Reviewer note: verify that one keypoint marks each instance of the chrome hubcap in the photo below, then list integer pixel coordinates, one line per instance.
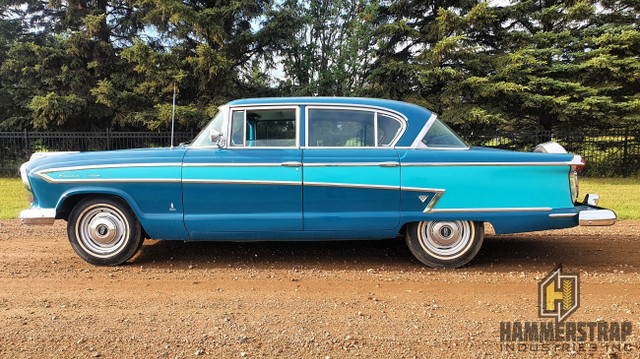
(446, 239)
(102, 230)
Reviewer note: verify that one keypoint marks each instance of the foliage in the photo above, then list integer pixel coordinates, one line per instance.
(540, 65)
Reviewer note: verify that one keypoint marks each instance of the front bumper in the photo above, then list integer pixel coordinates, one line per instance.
(33, 216)
(589, 214)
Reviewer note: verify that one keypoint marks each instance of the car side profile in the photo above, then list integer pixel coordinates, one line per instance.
(309, 168)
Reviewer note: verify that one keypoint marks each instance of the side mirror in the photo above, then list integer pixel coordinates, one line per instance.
(216, 137)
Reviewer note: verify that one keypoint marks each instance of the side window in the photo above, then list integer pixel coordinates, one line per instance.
(341, 128)
(263, 128)
(388, 129)
(237, 129)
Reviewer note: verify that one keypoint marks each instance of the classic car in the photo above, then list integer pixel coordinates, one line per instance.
(309, 169)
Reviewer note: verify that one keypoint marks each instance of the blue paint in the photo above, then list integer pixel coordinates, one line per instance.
(272, 202)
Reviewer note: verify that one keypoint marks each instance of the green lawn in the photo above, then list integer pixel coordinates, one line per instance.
(13, 197)
(620, 194)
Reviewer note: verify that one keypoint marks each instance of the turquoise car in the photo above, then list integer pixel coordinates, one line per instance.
(309, 169)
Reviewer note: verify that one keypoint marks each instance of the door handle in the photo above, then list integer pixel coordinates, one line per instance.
(389, 164)
(291, 164)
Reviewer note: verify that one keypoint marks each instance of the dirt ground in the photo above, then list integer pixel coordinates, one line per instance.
(310, 300)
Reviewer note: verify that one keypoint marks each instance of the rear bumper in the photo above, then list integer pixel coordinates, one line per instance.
(34, 216)
(589, 214)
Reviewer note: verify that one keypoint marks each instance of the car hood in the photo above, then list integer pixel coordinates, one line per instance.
(42, 161)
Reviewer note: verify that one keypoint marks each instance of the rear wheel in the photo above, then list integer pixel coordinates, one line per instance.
(104, 231)
(445, 244)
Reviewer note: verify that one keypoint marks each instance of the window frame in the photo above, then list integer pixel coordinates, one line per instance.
(375, 111)
(229, 125)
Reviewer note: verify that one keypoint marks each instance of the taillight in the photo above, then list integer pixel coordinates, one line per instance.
(579, 167)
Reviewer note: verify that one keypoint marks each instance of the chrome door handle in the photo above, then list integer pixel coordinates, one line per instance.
(291, 164)
(389, 164)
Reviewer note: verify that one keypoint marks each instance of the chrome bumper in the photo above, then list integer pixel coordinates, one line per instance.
(33, 216)
(589, 214)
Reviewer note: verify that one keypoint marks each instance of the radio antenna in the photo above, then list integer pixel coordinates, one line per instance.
(173, 114)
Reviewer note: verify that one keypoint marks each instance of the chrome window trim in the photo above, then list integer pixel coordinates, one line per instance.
(402, 119)
(475, 210)
(427, 126)
(269, 107)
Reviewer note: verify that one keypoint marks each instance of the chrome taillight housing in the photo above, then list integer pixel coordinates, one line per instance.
(576, 164)
(25, 182)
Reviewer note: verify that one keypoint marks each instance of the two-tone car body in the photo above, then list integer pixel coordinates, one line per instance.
(309, 169)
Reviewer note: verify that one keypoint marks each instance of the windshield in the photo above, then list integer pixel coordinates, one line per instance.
(203, 138)
(440, 135)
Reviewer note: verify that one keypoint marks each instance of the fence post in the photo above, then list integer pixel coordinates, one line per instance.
(625, 167)
(108, 140)
(27, 148)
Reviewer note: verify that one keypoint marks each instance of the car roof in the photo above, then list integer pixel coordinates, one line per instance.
(417, 116)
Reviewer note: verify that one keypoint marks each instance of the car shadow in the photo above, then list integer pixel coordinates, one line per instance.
(498, 253)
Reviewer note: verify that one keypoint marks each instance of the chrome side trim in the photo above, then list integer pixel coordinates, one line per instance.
(110, 180)
(562, 215)
(350, 185)
(345, 164)
(35, 216)
(433, 202)
(207, 181)
(420, 189)
(112, 165)
(477, 164)
(234, 164)
(474, 210)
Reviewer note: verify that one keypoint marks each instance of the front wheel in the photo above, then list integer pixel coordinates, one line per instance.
(104, 231)
(444, 244)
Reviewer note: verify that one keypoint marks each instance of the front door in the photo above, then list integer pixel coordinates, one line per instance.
(253, 183)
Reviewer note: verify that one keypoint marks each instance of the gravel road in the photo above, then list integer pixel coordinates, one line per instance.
(309, 300)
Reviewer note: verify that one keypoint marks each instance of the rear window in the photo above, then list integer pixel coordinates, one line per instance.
(440, 135)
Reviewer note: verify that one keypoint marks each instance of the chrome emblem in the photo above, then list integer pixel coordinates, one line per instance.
(172, 209)
(423, 198)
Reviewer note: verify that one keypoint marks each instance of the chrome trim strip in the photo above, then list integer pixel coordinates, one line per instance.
(234, 164)
(112, 165)
(350, 185)
(476, 164)
(207, 181)
(523, 209)
(110, 180)
(433, 202)
(419, 189)
(344, 164)
(35, 216)
(562, 215)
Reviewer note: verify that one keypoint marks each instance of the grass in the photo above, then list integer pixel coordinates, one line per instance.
(619, 194)
(13, 196)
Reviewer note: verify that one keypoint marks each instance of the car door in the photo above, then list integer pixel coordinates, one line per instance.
(351, 171)
(253, 182)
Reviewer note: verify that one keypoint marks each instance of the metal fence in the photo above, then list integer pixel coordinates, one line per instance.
(607, 153)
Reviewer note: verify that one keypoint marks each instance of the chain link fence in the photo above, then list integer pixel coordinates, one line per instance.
(607, 153)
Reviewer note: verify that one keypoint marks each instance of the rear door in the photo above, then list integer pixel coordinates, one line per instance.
(351, 171)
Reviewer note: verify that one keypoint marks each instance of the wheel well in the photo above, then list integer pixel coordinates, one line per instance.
(67, 206)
